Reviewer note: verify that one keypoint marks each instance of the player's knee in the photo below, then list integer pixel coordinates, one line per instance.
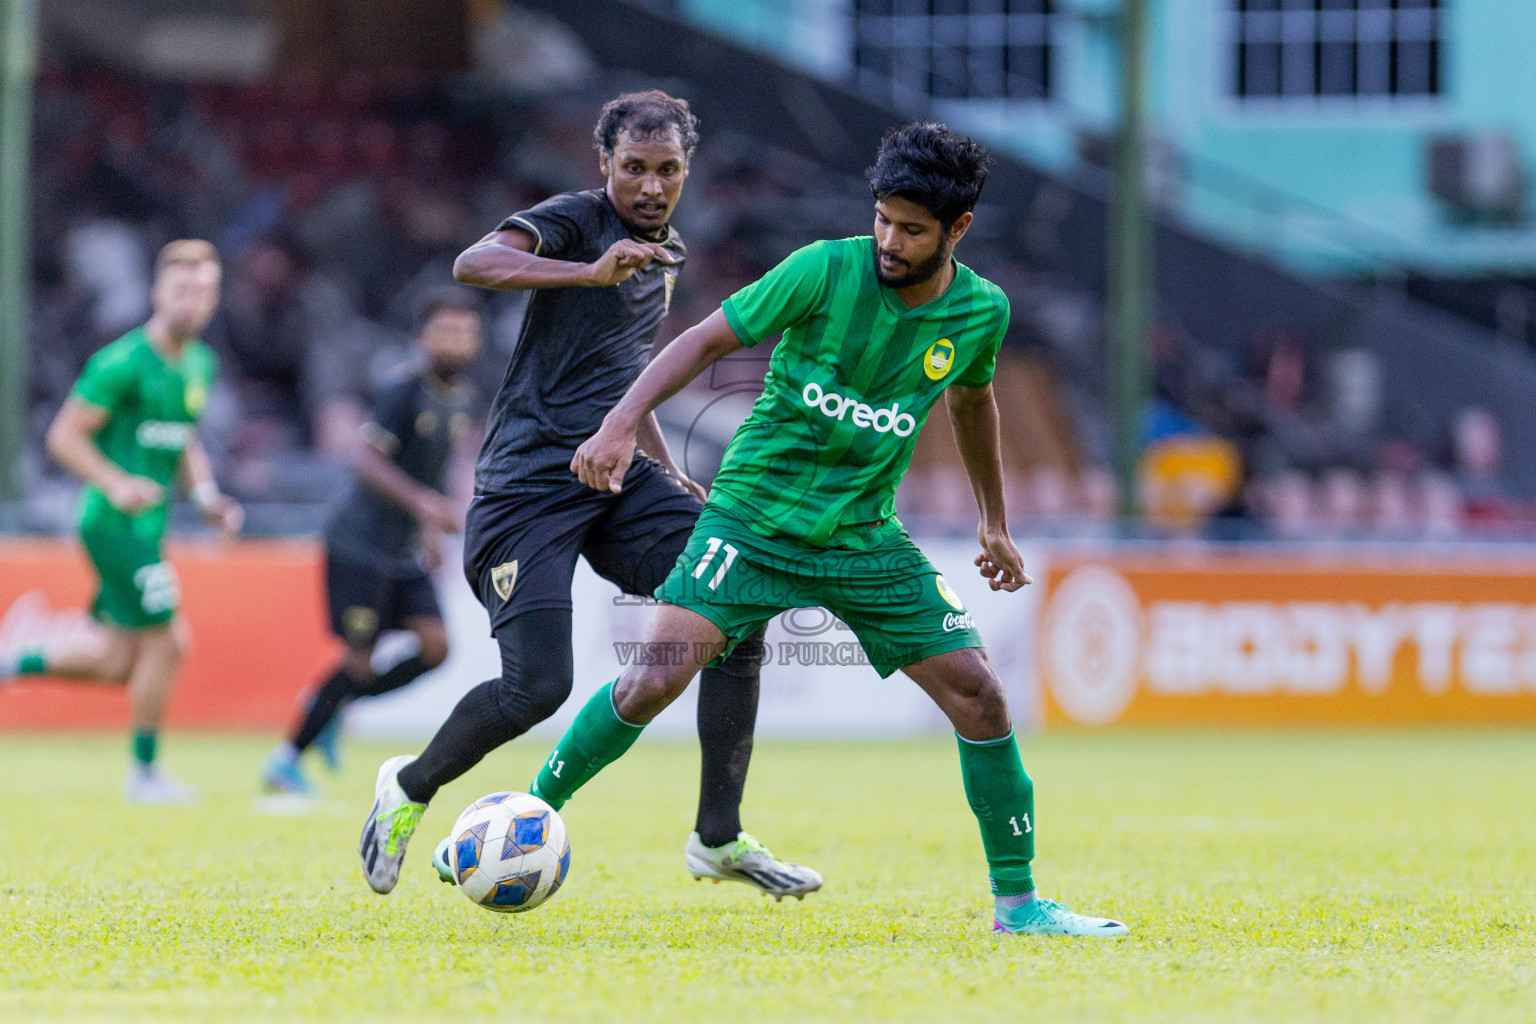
(434, 645)
(978, 706)
(529, 694)
(178, 640)
(644, 692)
(434, 654)
(357, 663)
(545, 697)
(989, 709)
(536, 667)
(116, 664)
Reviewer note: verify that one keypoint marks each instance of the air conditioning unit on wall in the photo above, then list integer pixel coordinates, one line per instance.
(1480, 179)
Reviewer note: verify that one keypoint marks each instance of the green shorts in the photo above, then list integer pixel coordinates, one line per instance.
(139, 589)
(892, 597)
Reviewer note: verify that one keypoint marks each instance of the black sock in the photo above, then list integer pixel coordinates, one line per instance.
(727, 716)
(535, 681)
(474, 729)
(333, 693)
(398, 676)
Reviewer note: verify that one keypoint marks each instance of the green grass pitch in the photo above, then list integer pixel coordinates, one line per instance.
(1351, 876)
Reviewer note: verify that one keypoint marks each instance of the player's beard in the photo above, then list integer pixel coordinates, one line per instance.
(186, 326)
(915, 274)
(445, 370)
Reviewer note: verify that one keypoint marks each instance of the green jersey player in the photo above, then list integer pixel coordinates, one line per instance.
(129, 430)
(802, 512)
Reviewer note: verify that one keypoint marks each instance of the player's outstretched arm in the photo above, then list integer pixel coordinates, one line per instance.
(604, 458)
(379, 473)
(216, 507)
(72, 443)
(973, 415)
(504, 260)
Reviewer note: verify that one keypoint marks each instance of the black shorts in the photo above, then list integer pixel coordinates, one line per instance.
(520, 548)
(367, 598)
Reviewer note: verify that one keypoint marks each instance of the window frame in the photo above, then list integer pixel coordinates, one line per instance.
(1039, 35)
(1229, 39)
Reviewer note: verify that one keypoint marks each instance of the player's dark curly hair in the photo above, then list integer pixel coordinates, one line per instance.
(645, 115)
(940, 170)
(444, 300)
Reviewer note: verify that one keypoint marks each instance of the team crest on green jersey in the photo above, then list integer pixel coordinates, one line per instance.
(938, 359)
(196, 397)
(947, 592)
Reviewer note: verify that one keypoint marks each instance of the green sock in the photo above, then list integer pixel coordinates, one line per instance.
(144, 743)
(597, 738)
(1002, 797)
(31, 663)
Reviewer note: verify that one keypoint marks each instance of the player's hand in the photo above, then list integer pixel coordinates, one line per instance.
(225, 513)
(999, 561)
(130, 494)
(430, 551)
(692, 486)
(622, 259)
(435, 512)
(604, 458)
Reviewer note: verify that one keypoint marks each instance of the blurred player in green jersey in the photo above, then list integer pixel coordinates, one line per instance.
(876, 330)
(129, 430)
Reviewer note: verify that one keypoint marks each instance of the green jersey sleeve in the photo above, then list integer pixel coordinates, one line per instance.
(979, 373)
(786, 295)
(107, 378)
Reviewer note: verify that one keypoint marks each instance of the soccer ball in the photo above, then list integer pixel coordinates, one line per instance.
(509, 852)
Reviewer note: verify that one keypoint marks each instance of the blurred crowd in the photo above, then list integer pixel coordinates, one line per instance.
(335, 204)
(331, 206)
(1294, 439)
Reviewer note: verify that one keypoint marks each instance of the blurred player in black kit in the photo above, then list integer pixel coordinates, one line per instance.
(385, 534)
(601, 264)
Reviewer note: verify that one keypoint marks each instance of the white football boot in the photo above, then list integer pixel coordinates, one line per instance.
(148, 785)
(440, 861)
(1047, 917)
(389, 827)
(749, 861)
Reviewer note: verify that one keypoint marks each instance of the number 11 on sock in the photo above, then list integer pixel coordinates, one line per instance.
(1028, 828)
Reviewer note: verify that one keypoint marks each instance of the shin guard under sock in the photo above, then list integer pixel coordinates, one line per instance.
(1002, 797)
(596, 739)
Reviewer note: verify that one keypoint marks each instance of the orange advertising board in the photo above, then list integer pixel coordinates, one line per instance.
(256, 611)
(1257, 637)
(1135, 637)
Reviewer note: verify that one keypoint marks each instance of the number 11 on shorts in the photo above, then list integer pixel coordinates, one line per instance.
(714, 546)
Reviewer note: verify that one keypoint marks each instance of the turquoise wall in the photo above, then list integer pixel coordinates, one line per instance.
(1327, 184)
(1362, 162)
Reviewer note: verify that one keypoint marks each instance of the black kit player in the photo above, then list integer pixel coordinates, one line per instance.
(385, 534)
(601, 265)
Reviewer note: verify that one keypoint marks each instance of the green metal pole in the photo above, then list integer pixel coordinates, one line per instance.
(18, 60)
(1129, 260)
